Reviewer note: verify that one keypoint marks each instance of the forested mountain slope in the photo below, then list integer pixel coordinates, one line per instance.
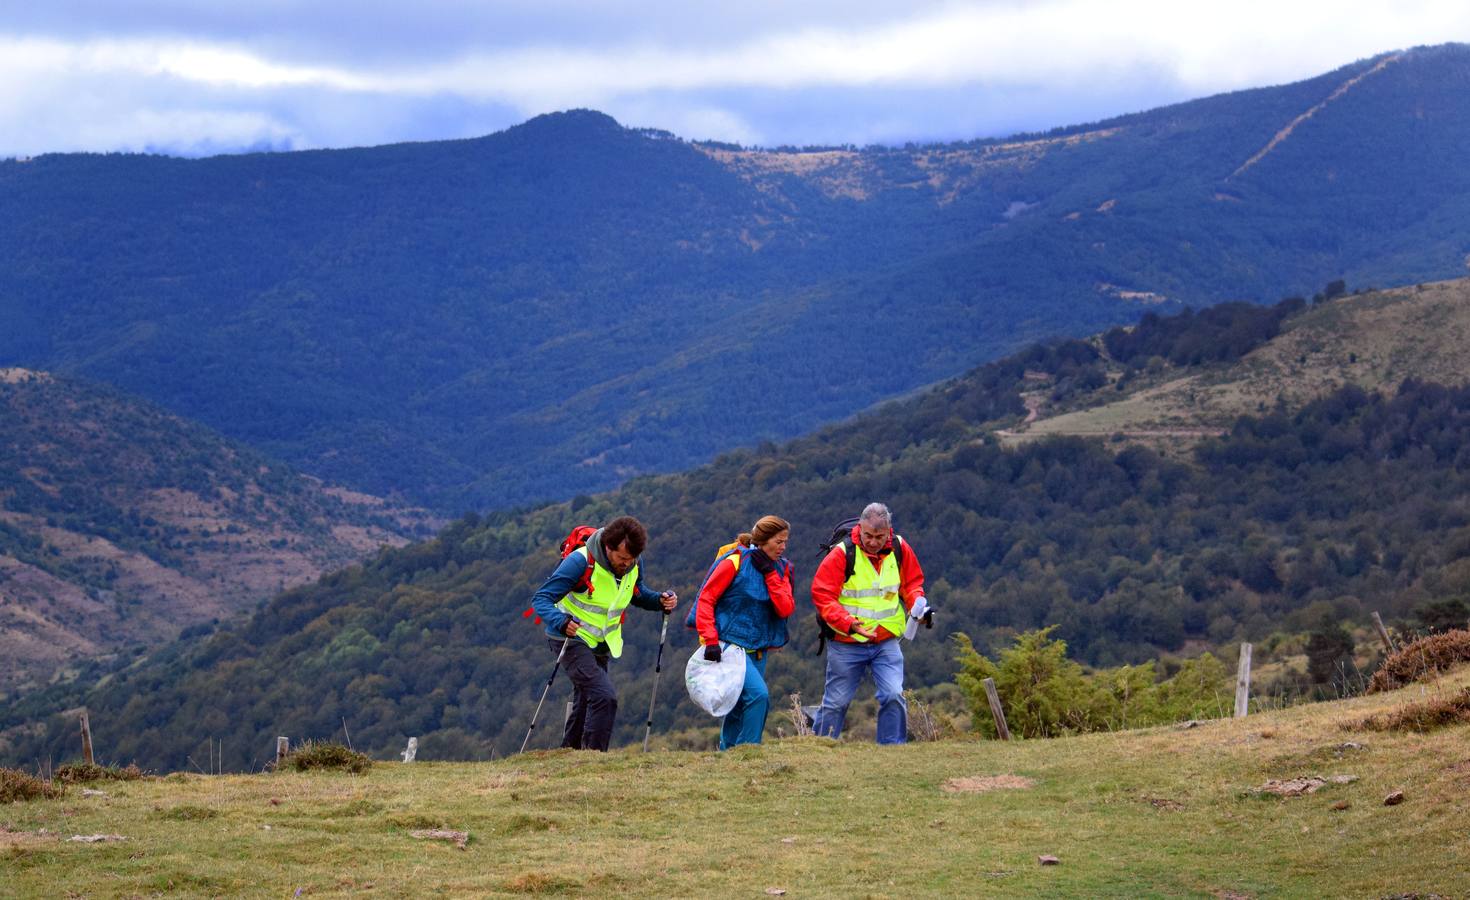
(1351, 503)
(121, 524)
(560, 306)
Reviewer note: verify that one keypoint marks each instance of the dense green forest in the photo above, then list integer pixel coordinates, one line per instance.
(555, 308)
(1295, 518)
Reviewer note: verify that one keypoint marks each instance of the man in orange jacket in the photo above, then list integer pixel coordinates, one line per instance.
(868, 588)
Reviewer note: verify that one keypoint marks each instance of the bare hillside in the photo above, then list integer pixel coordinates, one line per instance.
(120, 525)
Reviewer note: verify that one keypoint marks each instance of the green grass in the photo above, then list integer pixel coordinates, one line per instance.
(1161, 812)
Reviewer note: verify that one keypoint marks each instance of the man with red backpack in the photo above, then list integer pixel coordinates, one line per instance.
(868, 590)
(582, 604)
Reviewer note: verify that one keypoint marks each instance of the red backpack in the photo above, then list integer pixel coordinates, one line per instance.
(576, 538)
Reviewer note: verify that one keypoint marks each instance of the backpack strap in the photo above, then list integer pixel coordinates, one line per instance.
(850, 552)
(585, 585)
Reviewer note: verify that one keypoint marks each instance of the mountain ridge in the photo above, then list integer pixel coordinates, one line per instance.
(384, 317)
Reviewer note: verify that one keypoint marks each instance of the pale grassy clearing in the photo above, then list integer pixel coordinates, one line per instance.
(1374, 340)
(1162, 812)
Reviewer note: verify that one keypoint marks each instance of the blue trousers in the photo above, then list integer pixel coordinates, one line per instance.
(846, 664)
(747, 721)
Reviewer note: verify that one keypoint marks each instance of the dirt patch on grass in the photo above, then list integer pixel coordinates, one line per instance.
(980, 784)
(10, 838)
(1304, 784)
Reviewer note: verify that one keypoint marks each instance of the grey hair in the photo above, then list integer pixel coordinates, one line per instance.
(875, 513)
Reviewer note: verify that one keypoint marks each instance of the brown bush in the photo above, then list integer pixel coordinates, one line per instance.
(1422, 658)
(1421, 717)
(80, 773)
(16, 786)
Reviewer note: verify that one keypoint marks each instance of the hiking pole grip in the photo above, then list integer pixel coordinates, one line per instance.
(658, 666)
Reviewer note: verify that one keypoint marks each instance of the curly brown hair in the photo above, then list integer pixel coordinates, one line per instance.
(626, 532)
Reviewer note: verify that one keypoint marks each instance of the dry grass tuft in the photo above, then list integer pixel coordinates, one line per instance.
(540, 883)
(188, 813)
(924, 723)
(1425, 657)
(16, 786)
(1420, 717)
(800, 720)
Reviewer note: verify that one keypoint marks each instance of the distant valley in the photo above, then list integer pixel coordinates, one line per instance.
(121, 525)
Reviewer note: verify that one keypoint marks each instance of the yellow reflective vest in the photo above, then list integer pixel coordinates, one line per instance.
(599, 612)
(872, 595)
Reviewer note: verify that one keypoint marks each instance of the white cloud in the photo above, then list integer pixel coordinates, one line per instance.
(1058, 44)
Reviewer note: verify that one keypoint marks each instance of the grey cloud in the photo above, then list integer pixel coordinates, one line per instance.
(393, 33)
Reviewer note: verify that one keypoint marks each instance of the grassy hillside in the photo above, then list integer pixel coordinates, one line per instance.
(558, 307)
(1375, 340)
(1162, 812)
(121, 524)
(1351, 504)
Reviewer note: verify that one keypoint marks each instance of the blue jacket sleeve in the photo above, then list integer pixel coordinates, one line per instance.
(561, 583)
(646, 599)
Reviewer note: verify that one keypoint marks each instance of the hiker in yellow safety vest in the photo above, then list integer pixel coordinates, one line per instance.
(868, 588)
(582, 604)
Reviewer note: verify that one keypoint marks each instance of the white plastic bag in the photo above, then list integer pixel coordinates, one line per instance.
(716, 686)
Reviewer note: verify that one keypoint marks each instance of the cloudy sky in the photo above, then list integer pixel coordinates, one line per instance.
(205, 76)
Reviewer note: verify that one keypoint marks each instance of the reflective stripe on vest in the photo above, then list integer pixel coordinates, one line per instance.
(599, 612)
(871, 596)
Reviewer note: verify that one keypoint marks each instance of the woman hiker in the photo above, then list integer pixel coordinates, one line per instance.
(744, 601)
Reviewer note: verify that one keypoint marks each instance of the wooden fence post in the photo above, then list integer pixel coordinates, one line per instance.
(1243, 682)
(997, 710)
(283, 747)
(87, 740)
(1383, 632)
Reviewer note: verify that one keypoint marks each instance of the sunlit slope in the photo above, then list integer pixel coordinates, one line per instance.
(1375, 340)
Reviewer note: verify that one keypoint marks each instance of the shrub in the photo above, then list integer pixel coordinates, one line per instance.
(16, 786)
(80, 773)
(1045, 694)
(325, 755)
(1420, 717)
(1422, 658)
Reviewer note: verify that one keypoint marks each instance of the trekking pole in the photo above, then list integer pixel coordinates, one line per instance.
(658, 666)
(544, 693)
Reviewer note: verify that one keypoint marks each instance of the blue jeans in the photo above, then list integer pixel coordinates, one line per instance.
(747, 721)
(845, 666)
